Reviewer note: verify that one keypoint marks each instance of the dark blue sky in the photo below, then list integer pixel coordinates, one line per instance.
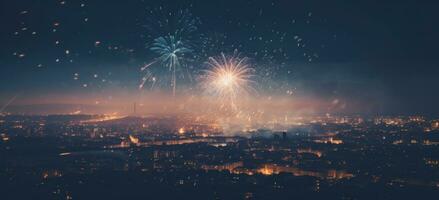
(380, 54)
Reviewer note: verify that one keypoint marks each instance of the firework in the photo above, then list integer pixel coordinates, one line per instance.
(228, 79)
(171, 51)
(171, 35)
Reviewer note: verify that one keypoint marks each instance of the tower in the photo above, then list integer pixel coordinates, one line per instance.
(284, 135)
(134, 108)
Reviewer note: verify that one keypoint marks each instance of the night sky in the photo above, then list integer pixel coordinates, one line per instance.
(374, 56)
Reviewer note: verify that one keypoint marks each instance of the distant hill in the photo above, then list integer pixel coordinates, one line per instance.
(47, 109)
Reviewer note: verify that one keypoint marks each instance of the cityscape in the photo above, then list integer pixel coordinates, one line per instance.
(81, 156)
(221, 100)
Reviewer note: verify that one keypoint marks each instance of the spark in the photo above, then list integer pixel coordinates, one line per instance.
(229, 78)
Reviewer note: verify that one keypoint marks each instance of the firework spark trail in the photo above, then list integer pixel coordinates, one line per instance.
(8, 103)
(147, 65)
(228, 79)
(148, 76)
